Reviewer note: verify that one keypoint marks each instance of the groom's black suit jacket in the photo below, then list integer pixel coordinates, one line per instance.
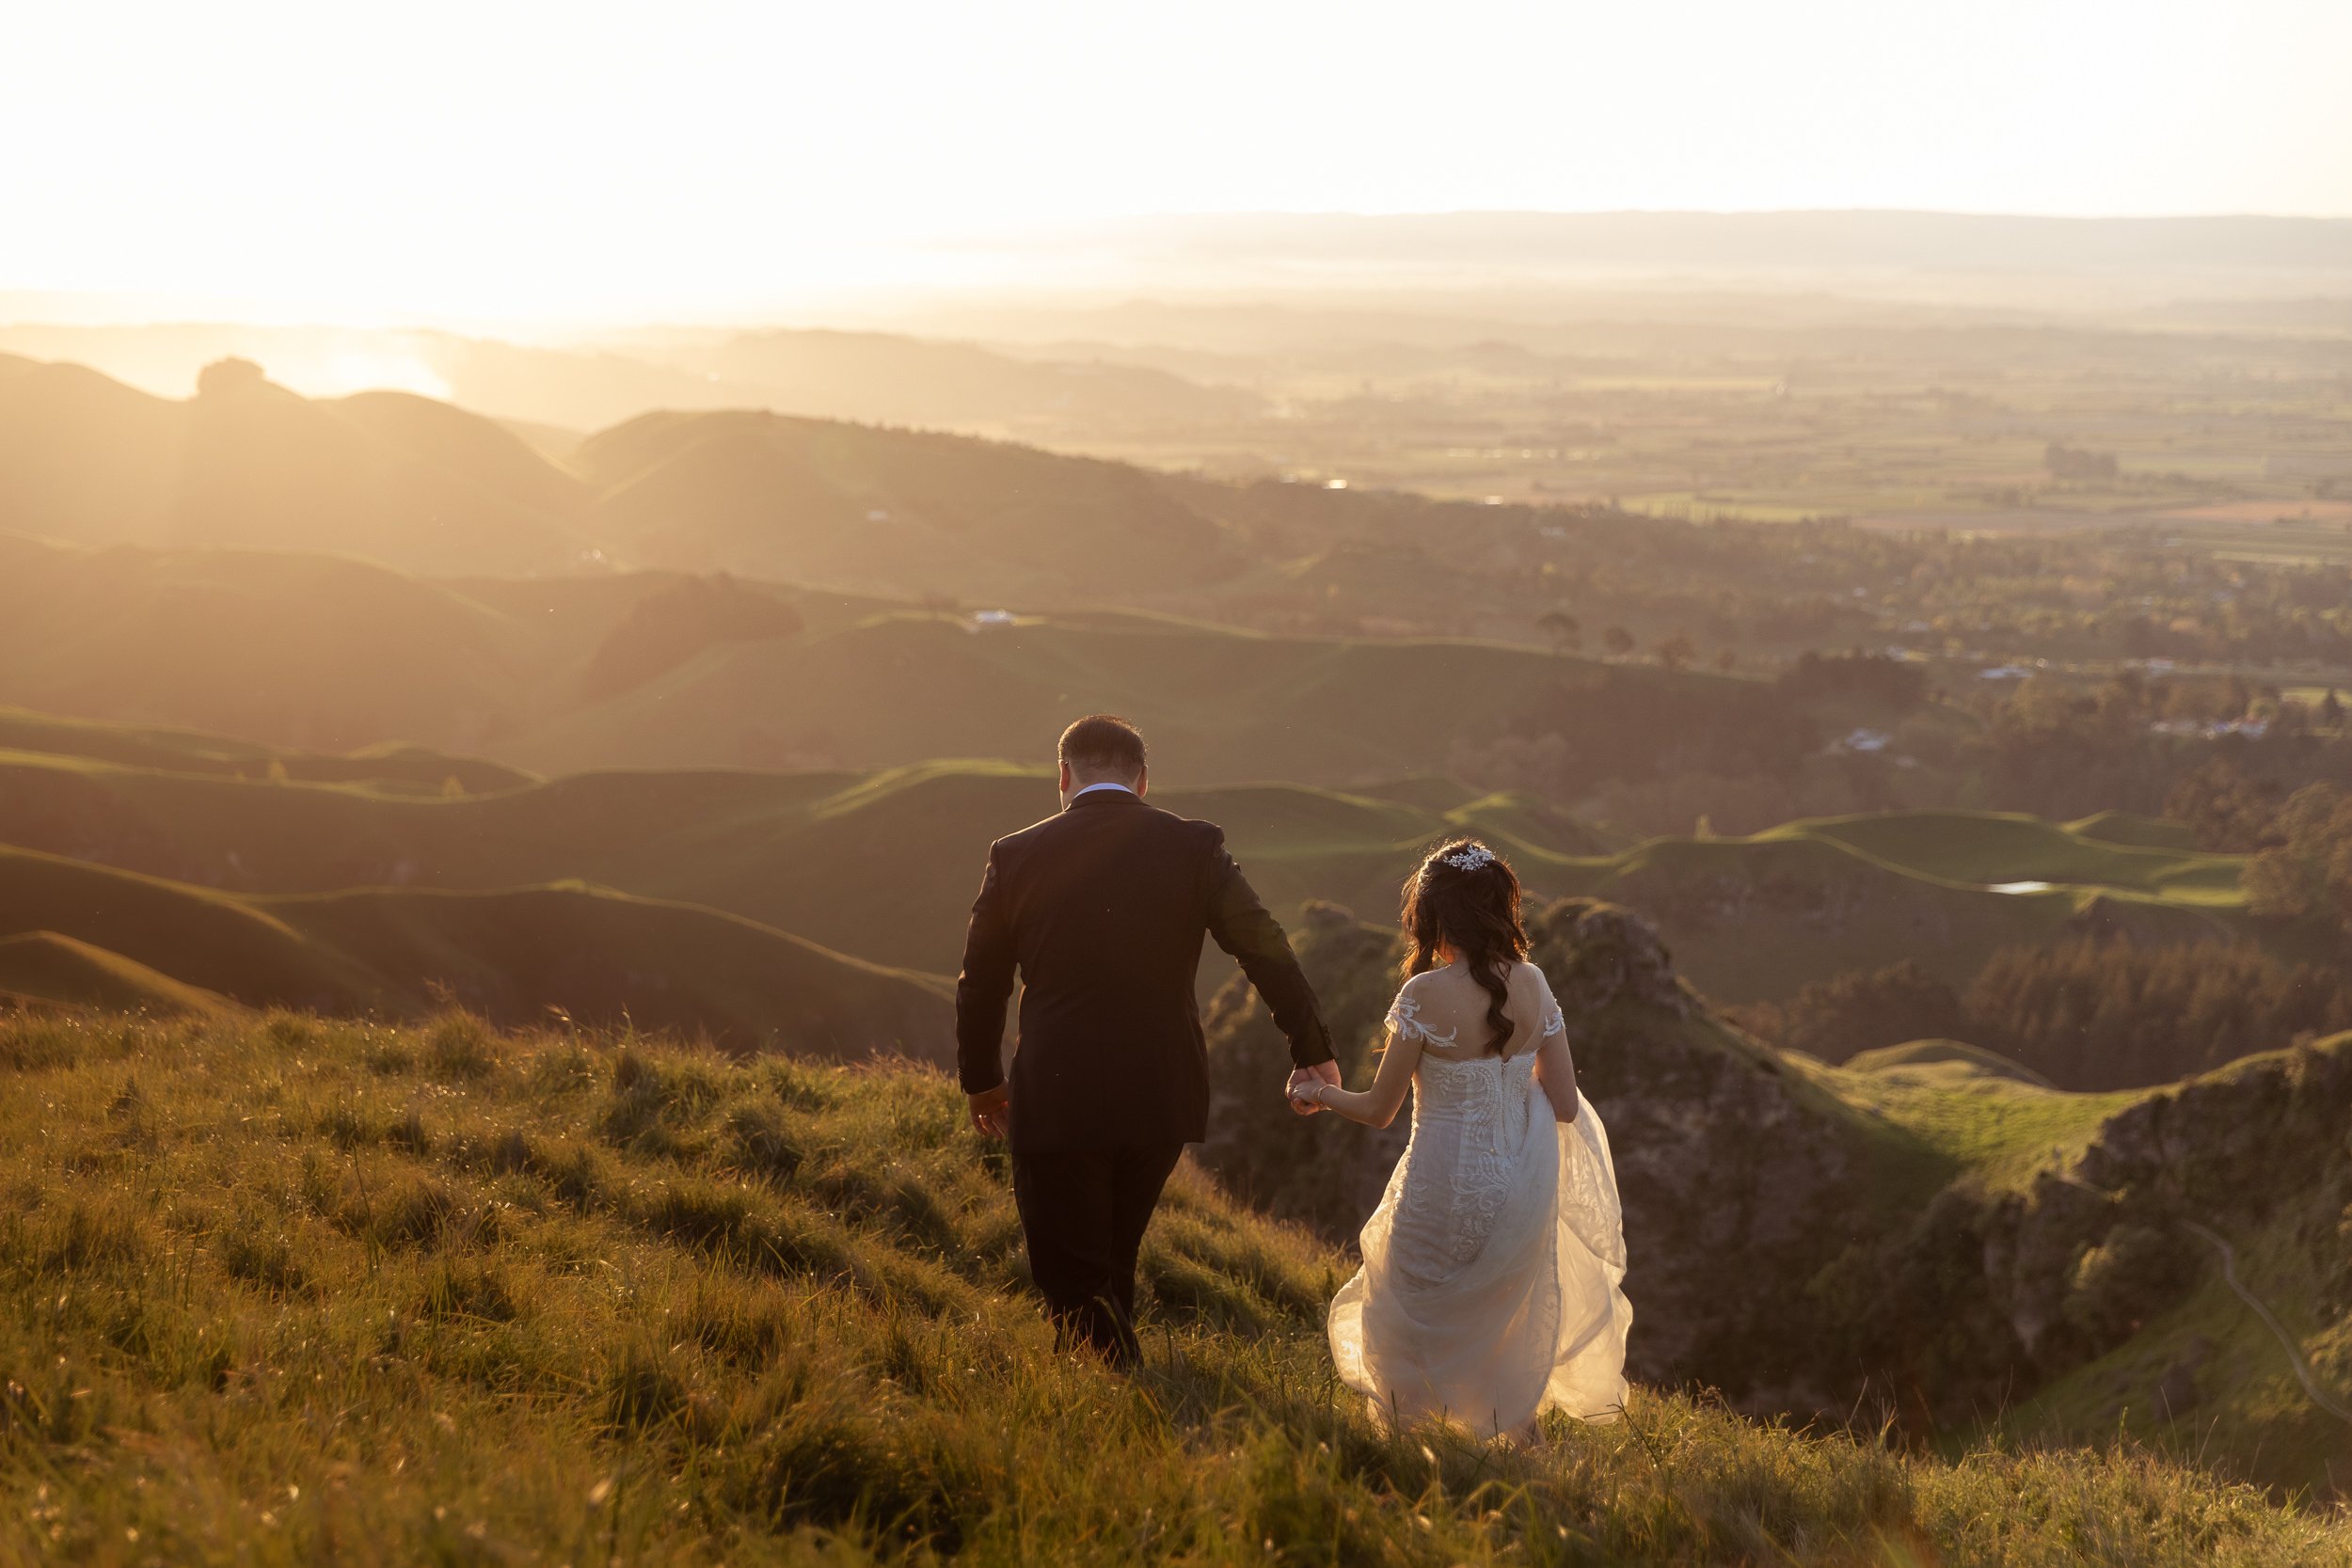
(1102, 910)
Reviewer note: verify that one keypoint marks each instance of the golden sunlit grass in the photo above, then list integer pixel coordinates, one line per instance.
(281, 1289)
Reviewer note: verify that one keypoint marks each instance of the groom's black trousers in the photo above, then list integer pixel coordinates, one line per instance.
(1083, 1212)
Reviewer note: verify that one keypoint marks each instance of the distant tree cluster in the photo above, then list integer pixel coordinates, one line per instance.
(1634, 726)
(2206, 752)
(2065, 462)
(1878, 677)
(2088, 1014)
(2306, 871)
(2093, 1014)
(1861, 1010)
(2224, 806)
(1569, 574)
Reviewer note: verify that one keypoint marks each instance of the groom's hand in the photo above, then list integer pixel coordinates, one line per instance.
(1322, 1072)
(992, 1110)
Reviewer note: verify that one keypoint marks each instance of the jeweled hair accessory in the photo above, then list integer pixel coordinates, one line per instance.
(1469, 858)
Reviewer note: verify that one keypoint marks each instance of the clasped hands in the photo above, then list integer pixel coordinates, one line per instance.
(1306, 1080)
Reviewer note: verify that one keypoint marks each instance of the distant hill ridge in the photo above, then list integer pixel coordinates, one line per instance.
(85, 935)
(426, 487)
(881, 864)
(328, 653)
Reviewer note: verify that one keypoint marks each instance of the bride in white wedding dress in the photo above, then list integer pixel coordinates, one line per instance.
(1490, 1289)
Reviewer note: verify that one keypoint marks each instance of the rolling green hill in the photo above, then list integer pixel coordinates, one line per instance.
(1983, 1113)
(297, 1290)
(385, 766)
(1748, 916)
(2007, 850)
(883, 864)
(42, 968)
(85, 933)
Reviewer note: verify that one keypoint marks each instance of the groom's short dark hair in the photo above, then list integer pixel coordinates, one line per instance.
(1103, 743)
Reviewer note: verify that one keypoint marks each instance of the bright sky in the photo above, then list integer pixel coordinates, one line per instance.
(486, 159)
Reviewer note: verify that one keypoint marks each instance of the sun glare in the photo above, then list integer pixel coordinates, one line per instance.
(518, 162)
(345, 374)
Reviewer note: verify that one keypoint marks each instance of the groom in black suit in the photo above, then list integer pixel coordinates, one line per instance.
(1102, 910)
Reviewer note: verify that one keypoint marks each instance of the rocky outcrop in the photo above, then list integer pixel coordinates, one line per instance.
(2023, 1287)
(1740, 1180)
(1319, 1170)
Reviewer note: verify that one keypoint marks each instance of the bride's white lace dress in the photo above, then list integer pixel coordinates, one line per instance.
(1490, 1289)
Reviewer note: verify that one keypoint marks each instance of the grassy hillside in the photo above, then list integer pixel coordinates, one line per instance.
(88, 932)
(1981, 1113)
(289, 1290)
(2208, 1376)
(388, 767)
(332, 653)
(38, 968)
(289, 650)
(2081, 1249)
(1219, 705)
(83, 456)
(428, 487)
(891, 510)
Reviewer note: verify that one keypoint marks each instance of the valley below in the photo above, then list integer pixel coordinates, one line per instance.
(480, 904)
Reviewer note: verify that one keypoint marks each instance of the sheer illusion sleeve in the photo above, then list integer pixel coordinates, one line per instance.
(1406, 1022)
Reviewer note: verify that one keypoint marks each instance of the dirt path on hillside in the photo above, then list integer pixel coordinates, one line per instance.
(2320, 1396)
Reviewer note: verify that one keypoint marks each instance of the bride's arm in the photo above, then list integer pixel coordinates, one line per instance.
(1377, 1105)
(1555, 1069)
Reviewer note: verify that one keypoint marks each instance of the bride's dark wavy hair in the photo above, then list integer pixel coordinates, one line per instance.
(1475, 910)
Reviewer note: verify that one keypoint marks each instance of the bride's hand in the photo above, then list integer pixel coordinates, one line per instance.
(1307, 1082)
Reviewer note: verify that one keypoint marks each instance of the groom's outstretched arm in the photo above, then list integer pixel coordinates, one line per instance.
(1243, 928)
(983, 987)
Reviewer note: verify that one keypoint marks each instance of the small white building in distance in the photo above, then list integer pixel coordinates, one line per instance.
(992, 618)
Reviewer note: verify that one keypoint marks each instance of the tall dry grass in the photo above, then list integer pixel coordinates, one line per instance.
(279, 1291)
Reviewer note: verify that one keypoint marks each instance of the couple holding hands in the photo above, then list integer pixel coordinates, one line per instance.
(1490, 1288)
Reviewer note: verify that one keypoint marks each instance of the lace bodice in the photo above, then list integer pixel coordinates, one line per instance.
(1470, 1118)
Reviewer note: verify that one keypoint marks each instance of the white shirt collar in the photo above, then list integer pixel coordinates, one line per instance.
(1105, 785)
